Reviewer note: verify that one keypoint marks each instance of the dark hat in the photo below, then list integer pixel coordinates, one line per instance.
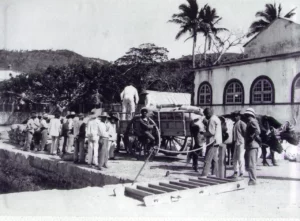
(80, 115)
(144, 92)
(236, 113)
(144, 109)
(114, 115)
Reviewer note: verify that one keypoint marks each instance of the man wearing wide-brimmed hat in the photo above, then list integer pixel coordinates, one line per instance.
(95, 129)
(103, 142)
(239, 130)
(112, 132)
(252, 143)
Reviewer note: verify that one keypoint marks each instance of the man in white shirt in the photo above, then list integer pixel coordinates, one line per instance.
(104, 141)
(55, 127)
(32, 125)
(213, 136)
(129, 98)
(92, 133)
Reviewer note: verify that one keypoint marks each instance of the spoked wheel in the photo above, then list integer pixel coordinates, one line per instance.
(135, 145)
(173, 143)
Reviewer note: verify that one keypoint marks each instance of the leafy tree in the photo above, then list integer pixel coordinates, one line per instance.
(267, 16)
(188, 19)
(145, 53)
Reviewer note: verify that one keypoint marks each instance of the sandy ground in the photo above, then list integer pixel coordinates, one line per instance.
(269, 199)
(277, 195)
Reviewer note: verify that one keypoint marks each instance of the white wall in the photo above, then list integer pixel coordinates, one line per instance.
(281, 37)
(281, 72)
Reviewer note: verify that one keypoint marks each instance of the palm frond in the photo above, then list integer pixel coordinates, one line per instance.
(181, 32)
(264, 16)
(271, 10)
(279, 10)
(290, 13)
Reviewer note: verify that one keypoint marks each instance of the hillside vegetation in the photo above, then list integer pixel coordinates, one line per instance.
(30, 61)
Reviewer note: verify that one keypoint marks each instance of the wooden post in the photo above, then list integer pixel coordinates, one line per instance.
(222, 161)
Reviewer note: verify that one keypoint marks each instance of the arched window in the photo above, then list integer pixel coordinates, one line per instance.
(205, 94)
(262, 91)
(234, 92)
(296, 89)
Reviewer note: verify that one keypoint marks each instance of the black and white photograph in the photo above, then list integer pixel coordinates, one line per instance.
(150, 109)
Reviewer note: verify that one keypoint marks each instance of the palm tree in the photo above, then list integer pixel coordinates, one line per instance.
(188, 20)
(207, 26)
(270, 13)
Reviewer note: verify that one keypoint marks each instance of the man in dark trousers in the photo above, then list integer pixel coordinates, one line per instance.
(146, 128)
(213, 136)
(197, 129)
(252, 143)
(79, 138)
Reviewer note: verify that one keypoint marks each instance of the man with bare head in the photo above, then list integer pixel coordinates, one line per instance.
(213, 136)
(129, 98)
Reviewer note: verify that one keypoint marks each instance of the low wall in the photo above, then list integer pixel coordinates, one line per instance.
(51, 170)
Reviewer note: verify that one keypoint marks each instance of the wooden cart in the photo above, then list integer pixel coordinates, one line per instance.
(173, 132)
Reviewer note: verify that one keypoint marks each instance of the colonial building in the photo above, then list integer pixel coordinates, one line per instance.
(268, 80)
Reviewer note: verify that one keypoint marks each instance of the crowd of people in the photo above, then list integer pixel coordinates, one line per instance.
(246, 139)
(68, 136)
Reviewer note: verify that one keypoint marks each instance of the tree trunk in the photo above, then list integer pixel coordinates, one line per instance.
(194, 46)
(205, 43)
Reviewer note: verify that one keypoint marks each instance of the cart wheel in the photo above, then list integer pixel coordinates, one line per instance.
(169, 141)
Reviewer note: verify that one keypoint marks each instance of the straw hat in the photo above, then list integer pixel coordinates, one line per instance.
(250, 112)
(71, 114)
(104, 114)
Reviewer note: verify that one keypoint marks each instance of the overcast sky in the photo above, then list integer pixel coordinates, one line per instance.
(108, 28)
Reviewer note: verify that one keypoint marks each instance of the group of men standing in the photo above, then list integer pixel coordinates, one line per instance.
(102, 137)
(69, 134)
(246, 143)
(36, 130)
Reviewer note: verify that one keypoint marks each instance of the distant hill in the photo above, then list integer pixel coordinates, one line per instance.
(28, 61)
